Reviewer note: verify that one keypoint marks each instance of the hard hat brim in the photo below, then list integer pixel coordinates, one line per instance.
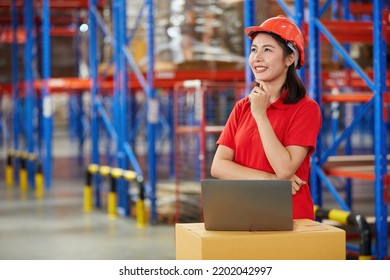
(252, 31)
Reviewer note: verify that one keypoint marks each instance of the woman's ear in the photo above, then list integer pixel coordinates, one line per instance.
(290, 59)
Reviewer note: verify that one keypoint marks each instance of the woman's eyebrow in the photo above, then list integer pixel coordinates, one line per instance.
(264, 46)
(268, 46)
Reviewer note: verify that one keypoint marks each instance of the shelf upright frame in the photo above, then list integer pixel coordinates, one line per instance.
(29, 85)
(380, 147)
(315, 93)
(249, 20)
(298, 16)
(93, 66)
(346, 15)
(378, 87)
(120, 94)
(47, 100)
(15, 89)
(153, 111)
(118, 127)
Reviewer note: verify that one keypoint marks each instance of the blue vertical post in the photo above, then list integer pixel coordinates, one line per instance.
(334, 11)
(15, 88)
(29, 87)
(380, 131)
(315, 91)
(120, 86)
(299, 19)
(249, 20)
(76, 114)
(72, 117)
(80, 126)
(298, 16)
(93, 63)
(47, 101)
(151, 120)
(348, 143)
(171, 122)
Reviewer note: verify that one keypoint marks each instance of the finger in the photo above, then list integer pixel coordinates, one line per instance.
(299, 181)
(293, 191)
(296, 186)
(261, 86)
(258, 87)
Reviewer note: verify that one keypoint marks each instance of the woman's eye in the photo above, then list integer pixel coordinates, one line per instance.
(267, 50)
(253, 49)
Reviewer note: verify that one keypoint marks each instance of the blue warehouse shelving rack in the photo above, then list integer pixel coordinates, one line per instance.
(115, 123)
(369, 90)
(31, 23)
(118, 88)
(125, 84)
(127, 77)
(324, 165)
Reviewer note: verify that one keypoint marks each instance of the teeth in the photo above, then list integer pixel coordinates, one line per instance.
(260, 68)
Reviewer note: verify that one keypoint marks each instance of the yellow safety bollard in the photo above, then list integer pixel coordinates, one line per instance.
(141, 213)
(88, 206)
(9, 176)
(104, 170)
(39, 187)
(23, 173)
(88, 195)
(130, 175)
(365, 258)
(116, 173)
(339, 216)
(140, 205)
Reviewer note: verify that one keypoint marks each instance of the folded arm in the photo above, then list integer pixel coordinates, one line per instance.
(224, 167)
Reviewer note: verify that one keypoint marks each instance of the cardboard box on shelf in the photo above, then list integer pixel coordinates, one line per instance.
(309, 240)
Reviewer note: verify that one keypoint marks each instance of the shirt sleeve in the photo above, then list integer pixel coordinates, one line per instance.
(305, 126)
(229, 131)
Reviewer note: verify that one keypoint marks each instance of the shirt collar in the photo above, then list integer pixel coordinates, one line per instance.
(278, 104)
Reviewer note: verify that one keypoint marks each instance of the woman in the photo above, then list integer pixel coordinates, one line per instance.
(272, 132)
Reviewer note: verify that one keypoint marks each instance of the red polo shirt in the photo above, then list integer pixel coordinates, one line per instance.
(294, 124)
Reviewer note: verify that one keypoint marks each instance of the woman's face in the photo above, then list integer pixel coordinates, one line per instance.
(267, 60)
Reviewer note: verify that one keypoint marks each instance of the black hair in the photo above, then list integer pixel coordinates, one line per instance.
(296, 89)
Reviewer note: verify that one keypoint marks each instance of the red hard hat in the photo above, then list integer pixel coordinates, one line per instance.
(284, 28)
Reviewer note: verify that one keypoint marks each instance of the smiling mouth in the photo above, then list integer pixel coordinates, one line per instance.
(260, 68)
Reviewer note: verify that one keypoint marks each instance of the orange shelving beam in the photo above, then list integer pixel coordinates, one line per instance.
(351, 31)
(54, 84)
(354, 166)
(348, 97)
(360, 9)
(55, 4)
(166, 79)
(353, 97)
(6, 35)
(348, 78)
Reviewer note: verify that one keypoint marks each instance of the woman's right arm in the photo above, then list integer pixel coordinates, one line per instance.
(223, 167)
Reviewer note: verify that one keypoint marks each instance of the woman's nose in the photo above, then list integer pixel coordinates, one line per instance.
(258, 56)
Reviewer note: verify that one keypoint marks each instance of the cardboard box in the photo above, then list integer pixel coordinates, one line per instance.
(309, 240)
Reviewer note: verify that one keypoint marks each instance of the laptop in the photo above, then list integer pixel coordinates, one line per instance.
(247, 205)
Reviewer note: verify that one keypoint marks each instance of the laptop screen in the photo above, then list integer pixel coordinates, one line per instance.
(247, 205)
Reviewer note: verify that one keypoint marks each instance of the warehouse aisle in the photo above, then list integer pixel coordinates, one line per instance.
(57, 228)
